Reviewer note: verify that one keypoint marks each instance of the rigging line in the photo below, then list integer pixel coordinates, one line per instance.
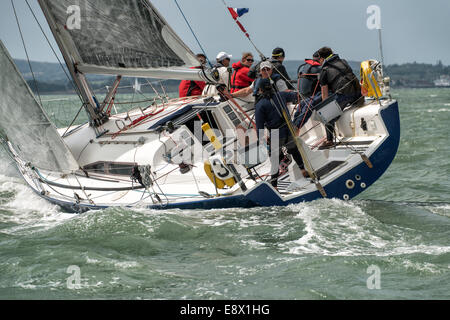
(263, 57)
(84, 190)
(156, 91)
(54, 52)
(308, 107)
(297, 91)
(26, 52)
(136, 102)
(246, 34)
(82, 151)
(159, 187)
(164, 91)
(195, 179)
(73, 121)
(193, 33)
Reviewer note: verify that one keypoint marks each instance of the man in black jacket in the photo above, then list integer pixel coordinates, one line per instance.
(278, 56)
(269, 114)
(337, 77)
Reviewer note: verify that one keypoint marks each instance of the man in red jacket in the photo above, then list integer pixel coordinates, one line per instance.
(240, 78)
(189, 88)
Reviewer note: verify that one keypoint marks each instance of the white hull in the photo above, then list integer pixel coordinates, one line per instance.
(171, 188)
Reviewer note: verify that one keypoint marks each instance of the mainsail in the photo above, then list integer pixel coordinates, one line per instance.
(126, 37)
(26, 125)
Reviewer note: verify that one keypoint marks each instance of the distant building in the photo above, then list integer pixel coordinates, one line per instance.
(443, 81)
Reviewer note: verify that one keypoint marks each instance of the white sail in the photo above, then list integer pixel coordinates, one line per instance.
(126, 37)
(25, 124)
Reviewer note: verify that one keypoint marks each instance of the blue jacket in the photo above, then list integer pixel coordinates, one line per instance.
(270, 116)
(275, 78)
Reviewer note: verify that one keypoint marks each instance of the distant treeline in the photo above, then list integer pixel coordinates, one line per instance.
(52, 79)
(416, 74)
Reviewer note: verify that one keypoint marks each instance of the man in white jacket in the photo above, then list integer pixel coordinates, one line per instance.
(223, 67)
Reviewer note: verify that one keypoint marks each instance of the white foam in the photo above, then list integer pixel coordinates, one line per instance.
(443, 210)
(337, 228)
(438, 110)
(28, 210)
(113, 263)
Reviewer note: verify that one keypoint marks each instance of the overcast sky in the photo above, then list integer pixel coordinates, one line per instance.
(413, 30)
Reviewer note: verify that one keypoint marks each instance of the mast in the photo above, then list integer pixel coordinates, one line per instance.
(96, 117)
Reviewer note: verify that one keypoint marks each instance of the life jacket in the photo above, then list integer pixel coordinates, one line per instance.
(308, 74)
(190, 88)
(240, 78)
(279, 68)
(224, 80)
(340, 77)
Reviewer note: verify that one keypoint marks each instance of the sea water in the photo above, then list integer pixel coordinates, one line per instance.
(392, 242)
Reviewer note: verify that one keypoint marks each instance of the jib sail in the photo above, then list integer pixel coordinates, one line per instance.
(26, 125)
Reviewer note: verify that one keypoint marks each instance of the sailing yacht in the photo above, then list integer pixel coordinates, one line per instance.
(195, 152)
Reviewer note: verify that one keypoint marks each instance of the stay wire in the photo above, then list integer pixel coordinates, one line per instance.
(26, 52)
(246, 34)
(54, 52)
(73, 121)
(193, 33)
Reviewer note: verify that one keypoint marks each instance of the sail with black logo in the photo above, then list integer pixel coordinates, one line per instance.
(119, 37)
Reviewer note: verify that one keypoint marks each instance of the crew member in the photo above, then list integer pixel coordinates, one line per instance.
(278, 56)
(240, 78)
(225, 71)
(269, 114)
(309, 89)
(337, 77)
(308, 75)
(190, 88)
(266, 72)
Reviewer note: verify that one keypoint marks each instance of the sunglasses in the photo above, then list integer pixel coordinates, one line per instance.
(250, 60)
(266, 69)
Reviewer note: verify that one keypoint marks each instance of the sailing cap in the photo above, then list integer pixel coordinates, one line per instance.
(265, 64)
(223, 55)
(278, 52)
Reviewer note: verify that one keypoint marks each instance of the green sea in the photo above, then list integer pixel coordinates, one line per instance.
(392, 242)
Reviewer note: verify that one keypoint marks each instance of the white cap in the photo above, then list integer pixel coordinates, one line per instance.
(265, 64)
(223, 55)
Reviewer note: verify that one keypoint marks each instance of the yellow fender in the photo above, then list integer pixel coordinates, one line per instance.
(217, 172)
(369, 83)
(220, 184)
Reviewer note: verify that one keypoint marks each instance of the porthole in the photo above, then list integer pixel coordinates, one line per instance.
(350, 184)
